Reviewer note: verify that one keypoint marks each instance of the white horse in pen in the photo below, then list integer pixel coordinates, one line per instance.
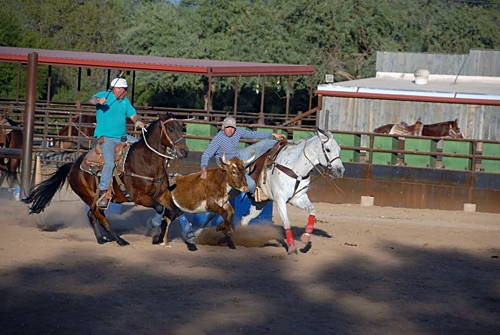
(286, 179)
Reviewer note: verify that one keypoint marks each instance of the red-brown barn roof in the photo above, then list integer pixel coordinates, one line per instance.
(216, 68)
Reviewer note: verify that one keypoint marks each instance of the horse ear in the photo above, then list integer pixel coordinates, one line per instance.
(456, 120)
(322, 132)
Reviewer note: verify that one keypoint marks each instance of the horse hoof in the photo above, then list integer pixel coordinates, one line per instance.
(122, 243)
(292, 249)
(305, 238)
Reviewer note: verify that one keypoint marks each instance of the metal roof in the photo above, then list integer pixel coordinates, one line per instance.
(401, 86)
(216, 68)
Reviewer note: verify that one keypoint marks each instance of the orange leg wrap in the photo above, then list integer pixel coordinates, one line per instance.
(289, 237)
(310, 224)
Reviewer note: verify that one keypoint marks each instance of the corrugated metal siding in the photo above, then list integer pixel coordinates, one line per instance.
(480, 122)
(476, 63)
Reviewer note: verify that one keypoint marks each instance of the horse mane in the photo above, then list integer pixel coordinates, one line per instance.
(12, 122)
(441, 123)
(300, 141)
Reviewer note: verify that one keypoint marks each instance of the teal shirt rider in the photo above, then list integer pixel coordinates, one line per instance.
(112, 116)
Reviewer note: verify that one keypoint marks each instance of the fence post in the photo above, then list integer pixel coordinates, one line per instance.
(29, 122)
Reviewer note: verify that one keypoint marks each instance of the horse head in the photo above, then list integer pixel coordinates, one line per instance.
(331, 154)
(455, 131)
(419, 126)
(168, 131)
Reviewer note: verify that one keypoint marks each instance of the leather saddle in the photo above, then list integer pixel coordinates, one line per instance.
(260, 165)
(404, 129)
(93, 161)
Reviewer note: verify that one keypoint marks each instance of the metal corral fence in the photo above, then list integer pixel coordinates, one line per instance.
(63, 130)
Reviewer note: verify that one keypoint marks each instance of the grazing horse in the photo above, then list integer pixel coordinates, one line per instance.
(9, 139)
(286, 179)
(144, 178)
(443, 129)
(191, 194)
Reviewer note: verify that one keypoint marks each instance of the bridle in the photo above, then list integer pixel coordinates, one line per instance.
(171, 152)
(292, 174)
(329, 165)
(453, 133)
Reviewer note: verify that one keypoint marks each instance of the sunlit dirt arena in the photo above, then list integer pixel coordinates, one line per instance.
(369, 270)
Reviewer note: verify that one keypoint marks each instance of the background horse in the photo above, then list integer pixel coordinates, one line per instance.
(443, 129)
(401, 129)
(11, 139)
(78, 134)
(145, 176)
(287, 179)
(81, 134)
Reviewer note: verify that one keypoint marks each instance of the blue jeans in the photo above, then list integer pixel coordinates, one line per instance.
(257, 149)
(108, 153)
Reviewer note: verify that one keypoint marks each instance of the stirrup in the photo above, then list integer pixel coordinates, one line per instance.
(103, 202)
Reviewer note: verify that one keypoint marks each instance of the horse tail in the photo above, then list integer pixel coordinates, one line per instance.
(41, 195)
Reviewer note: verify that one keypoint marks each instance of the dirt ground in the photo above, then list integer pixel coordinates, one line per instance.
(370, 270)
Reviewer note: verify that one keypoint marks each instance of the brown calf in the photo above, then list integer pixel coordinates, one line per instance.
(192, 194)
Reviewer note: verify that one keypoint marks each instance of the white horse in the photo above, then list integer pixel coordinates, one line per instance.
(287, 179)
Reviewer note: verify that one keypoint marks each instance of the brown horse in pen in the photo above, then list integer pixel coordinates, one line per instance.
(441, 129)
(143, 180)
(10, 139)
(77, 135)
(80, 133)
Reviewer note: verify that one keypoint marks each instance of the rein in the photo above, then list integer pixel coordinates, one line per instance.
(167, 157)
(144, 131)
(328, 166)
(292, 174)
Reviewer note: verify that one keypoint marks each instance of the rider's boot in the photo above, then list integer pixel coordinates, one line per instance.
(306, 237)
(289, 240)
(103, 201)
(187, 230)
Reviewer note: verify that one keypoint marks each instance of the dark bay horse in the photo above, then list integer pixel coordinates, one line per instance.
(145, 176)
(10, 139)
(443, 129)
